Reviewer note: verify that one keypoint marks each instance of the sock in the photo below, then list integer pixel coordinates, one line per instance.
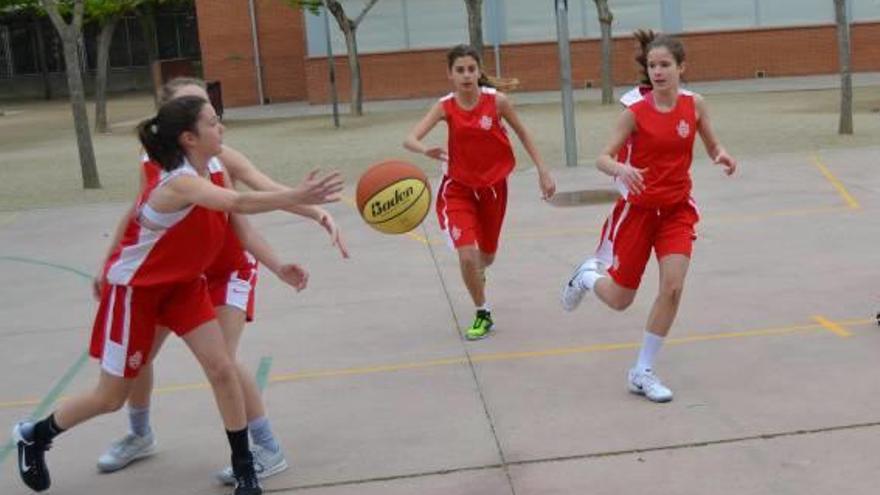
(485, 307)
(44, 431)
(650, 346)
(238, 442)
(261, 434)
(139, 421)
(587, 280)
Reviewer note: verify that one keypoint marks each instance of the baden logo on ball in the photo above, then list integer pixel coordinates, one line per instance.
(393, 196)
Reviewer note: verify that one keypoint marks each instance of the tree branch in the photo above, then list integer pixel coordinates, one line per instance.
(51, 7)
(363, 13)
(78, 9)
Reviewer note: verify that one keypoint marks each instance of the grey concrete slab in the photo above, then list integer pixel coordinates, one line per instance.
(481, 481)
(814, 464)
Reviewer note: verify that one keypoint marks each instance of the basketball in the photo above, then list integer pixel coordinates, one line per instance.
(393, 196)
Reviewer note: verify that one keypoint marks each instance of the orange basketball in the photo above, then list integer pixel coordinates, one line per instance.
(393, 196)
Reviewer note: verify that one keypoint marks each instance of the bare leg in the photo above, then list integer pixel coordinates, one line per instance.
(207, 344)
(232, 321)
(108, 395)
(613, 295)
(673, 269)
(471, 264)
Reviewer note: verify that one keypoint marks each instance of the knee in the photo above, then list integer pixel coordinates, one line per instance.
(671, 291)
(222, 371)
(620, 303)
(487, 259)
(470, 261)
(110, 402)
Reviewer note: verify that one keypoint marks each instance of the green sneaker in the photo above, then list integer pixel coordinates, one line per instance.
(481, 326)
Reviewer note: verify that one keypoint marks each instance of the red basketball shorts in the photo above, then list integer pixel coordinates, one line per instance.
(631, 232)
(235, 288)
(125, 324)
(472, 215)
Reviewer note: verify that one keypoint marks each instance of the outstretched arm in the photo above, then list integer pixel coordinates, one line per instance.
(505, 110)
(240, 168)
(713, 146)
(291, 273)
(413, 141)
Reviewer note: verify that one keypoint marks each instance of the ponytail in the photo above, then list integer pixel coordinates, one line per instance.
(160, 135)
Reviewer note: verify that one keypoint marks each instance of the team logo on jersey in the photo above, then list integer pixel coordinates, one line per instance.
(683, 128)
(486, 122)
(455, 233)
(136, 360)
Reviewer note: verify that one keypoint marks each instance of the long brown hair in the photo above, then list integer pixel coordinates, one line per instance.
(648, 40)
(459, 51)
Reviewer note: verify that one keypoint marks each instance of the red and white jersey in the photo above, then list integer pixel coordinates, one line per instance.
(185, 244)
(480, 153)
(662, 143)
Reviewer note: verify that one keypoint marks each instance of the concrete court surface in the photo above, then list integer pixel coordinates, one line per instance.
(773, 357)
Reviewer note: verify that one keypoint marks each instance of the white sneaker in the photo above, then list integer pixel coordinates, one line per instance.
(266, 464)
(125, 451)
(572, 292)
(648, 384)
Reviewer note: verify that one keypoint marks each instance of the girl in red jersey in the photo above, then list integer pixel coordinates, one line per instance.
(472, 197)
(156, 275)
(231, 283)
(656, 210)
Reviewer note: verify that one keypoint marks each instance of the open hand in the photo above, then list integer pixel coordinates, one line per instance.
(316, 189)
(437, 154)
(632, 178)
(332, 229)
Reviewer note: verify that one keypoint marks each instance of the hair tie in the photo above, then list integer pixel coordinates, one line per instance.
(154, 128)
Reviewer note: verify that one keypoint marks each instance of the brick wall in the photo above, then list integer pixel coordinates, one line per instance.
(289, 75)
(282, 50)
(711, 56)
(227, 49)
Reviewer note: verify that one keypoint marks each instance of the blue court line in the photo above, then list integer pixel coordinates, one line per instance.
(71, 372)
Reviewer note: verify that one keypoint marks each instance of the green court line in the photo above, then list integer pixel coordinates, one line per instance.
(30, 261)
(263, 372)
(50, 398)
(71, 372)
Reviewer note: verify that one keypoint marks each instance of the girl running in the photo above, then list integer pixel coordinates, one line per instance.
(231, 283)
(472, 197)
(156, 275)
(656, 210)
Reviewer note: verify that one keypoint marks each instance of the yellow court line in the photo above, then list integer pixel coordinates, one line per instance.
(841, 189)
(832, 327)
(821, 324)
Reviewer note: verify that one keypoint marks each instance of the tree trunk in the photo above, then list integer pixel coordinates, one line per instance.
(475, 23)
(104, 40)
(80, 116)
(70, 34)
(844, 55)
(354, 69)
(41, 58)
(147, 19)
(605, 19)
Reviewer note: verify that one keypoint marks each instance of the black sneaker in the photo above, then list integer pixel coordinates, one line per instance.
(246, 482)
(31, 461)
